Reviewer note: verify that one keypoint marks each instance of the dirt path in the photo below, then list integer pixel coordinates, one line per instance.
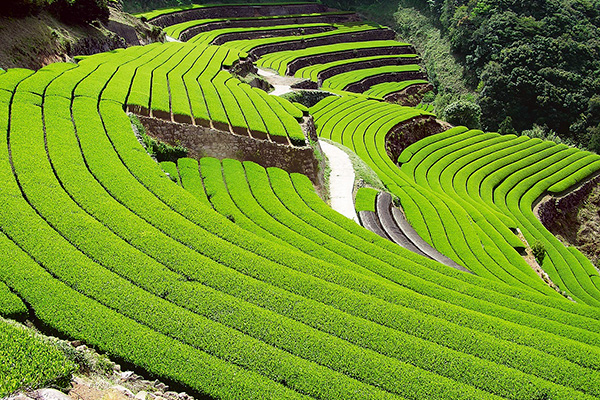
(341, 180)
(282, 84)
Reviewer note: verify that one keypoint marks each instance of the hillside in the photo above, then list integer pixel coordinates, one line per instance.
(36, 41)
(220, 271)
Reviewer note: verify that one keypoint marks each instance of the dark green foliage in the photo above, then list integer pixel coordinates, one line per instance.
(594, 139)
(80, 11)
(20, 8)
(506, 127)
(163, 151)
(463, 113)
(68, 11)
(535, 61)
(539, 251)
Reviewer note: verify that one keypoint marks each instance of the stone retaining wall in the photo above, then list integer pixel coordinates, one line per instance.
(553, 210)
(411, 131)
(205, 142)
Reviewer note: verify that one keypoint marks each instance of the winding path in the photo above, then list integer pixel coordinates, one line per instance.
(341, 180)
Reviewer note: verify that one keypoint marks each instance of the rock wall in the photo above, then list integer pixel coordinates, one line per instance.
(550, 211)
(411, 131)
(574, 217)
(205, 142)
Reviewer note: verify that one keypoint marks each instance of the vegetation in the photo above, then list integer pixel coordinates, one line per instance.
(69, 11)
(28, 361)
(539, 252)
(237, 281)
(535, 62)
(426, 199)
(365, 199)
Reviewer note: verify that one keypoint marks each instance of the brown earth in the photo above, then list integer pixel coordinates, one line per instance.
(411, 131)
(574, 217)
(411, 96)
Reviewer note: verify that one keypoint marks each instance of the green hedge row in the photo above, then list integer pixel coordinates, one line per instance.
(10, 304)
(139, 296)
(176, 30)
(437, 171)
(340, 29)
(185, 83)
(384, 89)
(236, 174)
(280, 60)
(210, 36)
(179, 197)
(341, 81)
(365, 199)
(312, 72)
(164, 11)
(330, 116)
(189, 326)
(511, 178)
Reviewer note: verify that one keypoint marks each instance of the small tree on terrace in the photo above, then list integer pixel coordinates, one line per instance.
(463, 113)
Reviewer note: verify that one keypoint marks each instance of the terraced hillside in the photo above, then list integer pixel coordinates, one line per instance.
(329, 47)
(476, 234)
(239, 282)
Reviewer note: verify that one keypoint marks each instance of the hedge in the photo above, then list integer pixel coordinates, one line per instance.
(365, 199)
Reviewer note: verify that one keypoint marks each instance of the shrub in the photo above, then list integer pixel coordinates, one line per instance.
(506, 127)
(463, 113)
(539, 251)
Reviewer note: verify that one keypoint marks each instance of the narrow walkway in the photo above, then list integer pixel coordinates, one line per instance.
(341, 180)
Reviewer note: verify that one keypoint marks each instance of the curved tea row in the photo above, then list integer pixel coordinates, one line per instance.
(321, 44)
(506, 175)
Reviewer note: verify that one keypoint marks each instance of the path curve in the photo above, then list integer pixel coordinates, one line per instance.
(341, 180)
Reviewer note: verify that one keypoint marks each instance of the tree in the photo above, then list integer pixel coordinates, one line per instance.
(20, 8)
(463, 113)
(506, 127)
(80, 11)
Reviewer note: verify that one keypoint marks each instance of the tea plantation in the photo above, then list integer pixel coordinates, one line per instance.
(237, 281)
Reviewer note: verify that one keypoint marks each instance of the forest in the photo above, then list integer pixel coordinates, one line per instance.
(531, 65)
